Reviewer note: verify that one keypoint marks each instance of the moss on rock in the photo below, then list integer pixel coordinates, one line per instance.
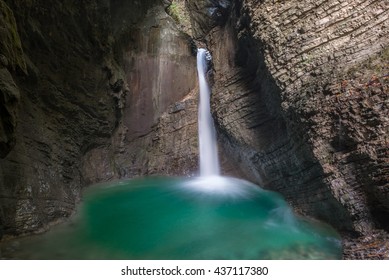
(10, 44)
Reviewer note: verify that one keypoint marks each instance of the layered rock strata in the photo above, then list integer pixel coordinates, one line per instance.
(103, 90)
(57, 107)
(301, 101)
(90, 91)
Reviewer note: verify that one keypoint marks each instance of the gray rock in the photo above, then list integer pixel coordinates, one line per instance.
(317, 136)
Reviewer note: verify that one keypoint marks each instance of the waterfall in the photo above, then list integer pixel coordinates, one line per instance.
(209, 162)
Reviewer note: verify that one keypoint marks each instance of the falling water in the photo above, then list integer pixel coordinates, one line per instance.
(209, 217)
(209, 162)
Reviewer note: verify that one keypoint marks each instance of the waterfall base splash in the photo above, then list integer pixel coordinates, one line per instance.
(173, 218)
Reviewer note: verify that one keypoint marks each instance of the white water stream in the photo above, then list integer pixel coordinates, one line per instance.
(209, 161)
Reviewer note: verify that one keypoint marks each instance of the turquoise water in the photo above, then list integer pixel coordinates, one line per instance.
(175, 218)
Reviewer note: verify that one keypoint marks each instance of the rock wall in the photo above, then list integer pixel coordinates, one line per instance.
(301, 101)
(11, 59)
(55, 106)
(157, 133)
(103, 90)
(89, 92)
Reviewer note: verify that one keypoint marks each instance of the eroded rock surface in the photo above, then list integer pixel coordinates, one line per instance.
(103, 90)
(158, 129)
(11, 58)
(301, 99)
(55, 109)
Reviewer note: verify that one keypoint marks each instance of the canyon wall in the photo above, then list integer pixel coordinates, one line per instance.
(100, 90)
(90, 92)
(301, 101)
(158, 131)
(57, 107)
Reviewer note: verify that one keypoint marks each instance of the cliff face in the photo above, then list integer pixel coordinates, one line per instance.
(157, 133)
(89, 91)
(98, 90)
(301, 101)
(55, 107)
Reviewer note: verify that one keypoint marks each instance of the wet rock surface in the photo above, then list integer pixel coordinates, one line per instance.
(107, 92)
(300, 97)
(206, 14)
(11, 58)
(157, 133)
(54, 111)
(373, 246)
(104, 90)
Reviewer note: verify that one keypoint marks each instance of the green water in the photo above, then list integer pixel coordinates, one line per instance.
(174, 218)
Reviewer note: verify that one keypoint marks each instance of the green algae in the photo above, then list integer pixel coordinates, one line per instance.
(10, 43)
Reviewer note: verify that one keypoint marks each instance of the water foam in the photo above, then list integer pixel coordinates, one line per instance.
(209, 161)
